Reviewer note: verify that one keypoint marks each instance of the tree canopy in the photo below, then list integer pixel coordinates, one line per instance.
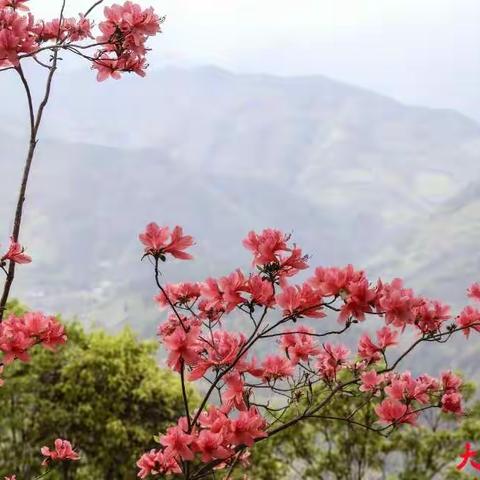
(106, 393)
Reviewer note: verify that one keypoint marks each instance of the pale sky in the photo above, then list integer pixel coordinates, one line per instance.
(424, 52)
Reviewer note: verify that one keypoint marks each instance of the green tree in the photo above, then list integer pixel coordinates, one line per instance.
(105, 393)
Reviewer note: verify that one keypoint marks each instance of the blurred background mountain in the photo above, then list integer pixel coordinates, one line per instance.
(355, 176)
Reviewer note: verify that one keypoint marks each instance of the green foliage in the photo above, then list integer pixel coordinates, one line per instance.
(15, 307)
(104, 393)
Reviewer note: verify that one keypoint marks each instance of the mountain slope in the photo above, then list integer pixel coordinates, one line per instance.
(347, 170)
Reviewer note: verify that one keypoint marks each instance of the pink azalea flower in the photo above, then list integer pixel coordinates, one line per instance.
(231, 287)
(46, 330)
(16, 36)
(220, 351)
(63, 451)
(397, 303)
(15, 4)
(131, 20)
(177, 443)
(155, 239)
(468, 319)
(182, 293)
(299, 344)
(359, 299)
(212, 314)
(405, 387)
(245, 429)
(178, 243)
(474, 291)
(397, 390)
(224, 294)
(70, 29)
(334, 281)
(182, 345)
(428, 383)
(54, 335)
(261, 291)
(386, 337)
(124, 33)
(211, 446)
(35, 323)
(431, 315)
(370, 381)
(107, 67)
(156, 462)
(212, 296)
(291, 264)
(266, 246)
(16, 253)
(367, 350)
(78, 29)
(394, 411)
(148, 464)
(234, 395)
(452, 403)
(451, 383)
(276, 367)
(252, 367)
(15, 341)
(215, 420)
(301, 301)
(331, 359)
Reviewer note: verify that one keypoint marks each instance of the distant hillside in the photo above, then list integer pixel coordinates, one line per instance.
(440, 255)
(348, 171)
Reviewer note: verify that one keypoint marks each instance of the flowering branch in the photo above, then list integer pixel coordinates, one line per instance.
(62, 452)
(304, 377)
(121, 47)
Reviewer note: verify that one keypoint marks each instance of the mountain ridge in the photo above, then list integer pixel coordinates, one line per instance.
(349, 172)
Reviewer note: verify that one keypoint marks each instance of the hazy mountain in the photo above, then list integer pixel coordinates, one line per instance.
(346, 170)
(441, 254)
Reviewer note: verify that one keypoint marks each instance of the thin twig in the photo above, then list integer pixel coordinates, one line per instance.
(90, 10)
(35, 122)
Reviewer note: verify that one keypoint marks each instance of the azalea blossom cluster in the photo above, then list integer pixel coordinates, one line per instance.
(216, 437)
(119, 46)
(62, 451)
(18, 334)
(405, 395)
(282, 360)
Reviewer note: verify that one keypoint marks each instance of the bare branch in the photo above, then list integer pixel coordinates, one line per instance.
(92, 8)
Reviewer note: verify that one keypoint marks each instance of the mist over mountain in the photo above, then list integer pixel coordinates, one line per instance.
(357, 177)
